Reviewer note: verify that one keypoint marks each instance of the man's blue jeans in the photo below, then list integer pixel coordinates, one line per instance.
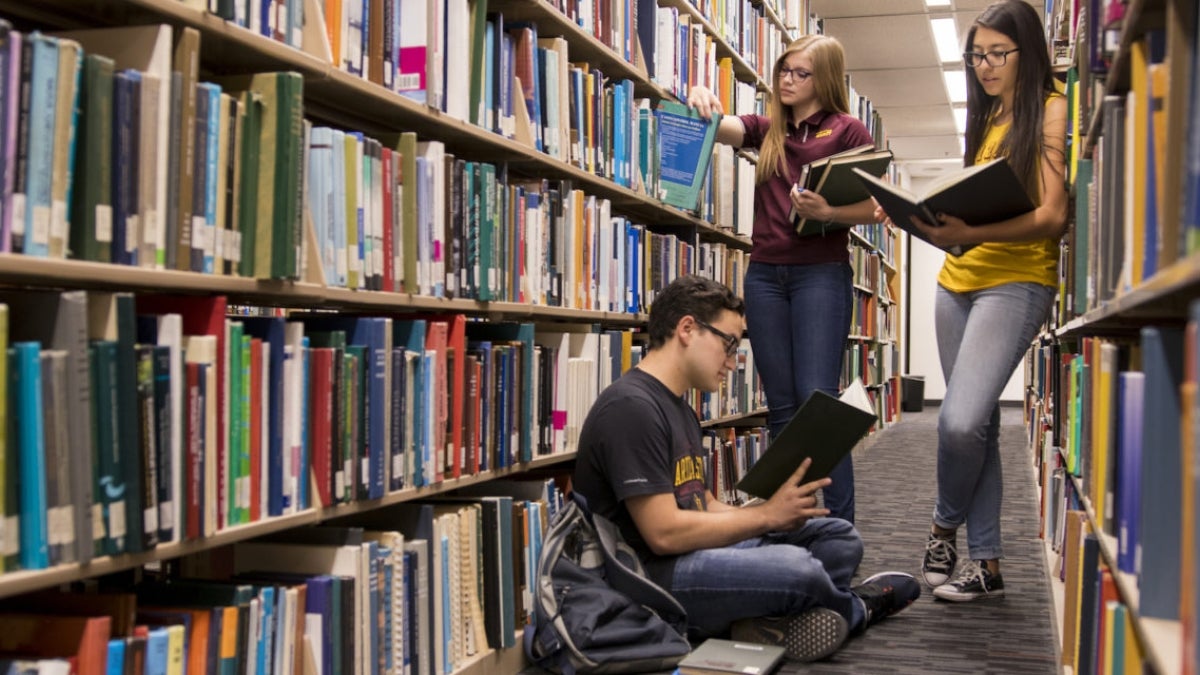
(799, 317)
(982, 336)
(779, 574)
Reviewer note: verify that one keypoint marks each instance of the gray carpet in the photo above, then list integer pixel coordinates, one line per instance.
(895, 495)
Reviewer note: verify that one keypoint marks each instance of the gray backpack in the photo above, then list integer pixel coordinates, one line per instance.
(594, 608)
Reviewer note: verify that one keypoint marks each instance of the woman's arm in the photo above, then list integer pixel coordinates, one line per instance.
(730, 131)
(1047, 221)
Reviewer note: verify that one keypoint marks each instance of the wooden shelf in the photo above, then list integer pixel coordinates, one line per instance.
(24, 581)
(742, 419)
(1163, 297)
(21, 270)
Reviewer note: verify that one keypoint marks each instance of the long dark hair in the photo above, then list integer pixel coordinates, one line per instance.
(1020, 22)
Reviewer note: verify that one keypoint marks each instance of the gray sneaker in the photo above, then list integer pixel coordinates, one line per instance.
(811, 636)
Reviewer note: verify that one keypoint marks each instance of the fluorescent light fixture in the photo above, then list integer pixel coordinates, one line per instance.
(960, 119)
(962, 144)
(956, 85)
(937, 3)
(945, 35)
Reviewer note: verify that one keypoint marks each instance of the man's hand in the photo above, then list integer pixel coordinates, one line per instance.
(794, 503)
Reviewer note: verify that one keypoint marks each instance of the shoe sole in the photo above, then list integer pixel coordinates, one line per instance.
(814, 635)
(945, 593)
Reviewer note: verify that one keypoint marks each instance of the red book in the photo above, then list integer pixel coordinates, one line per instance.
(321, 410)
(81, 639)
(388, 244)
(193, 435)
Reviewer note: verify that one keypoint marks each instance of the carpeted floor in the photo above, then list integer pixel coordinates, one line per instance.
(895, 495)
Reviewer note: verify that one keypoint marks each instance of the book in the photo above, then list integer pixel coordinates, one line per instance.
(715, 656)
(685, 144)
(832, 178)
(981, 194)
(825, 428)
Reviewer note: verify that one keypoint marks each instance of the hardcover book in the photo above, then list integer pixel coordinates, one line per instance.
(825, 428)
(715, 656)
(981, 194)
(832, 178)
(685, 145)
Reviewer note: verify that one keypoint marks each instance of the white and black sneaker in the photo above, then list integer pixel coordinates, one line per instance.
(941, 555)
(811, 636)
(974, 582)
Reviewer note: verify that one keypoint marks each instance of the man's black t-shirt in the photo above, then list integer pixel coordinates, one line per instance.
(640, 439)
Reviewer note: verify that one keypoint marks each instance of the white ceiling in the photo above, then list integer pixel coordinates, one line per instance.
(892, 59)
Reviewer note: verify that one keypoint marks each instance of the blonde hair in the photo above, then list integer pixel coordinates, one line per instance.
(829, 84)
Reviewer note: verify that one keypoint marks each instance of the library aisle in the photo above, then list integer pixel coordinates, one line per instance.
(895, 485)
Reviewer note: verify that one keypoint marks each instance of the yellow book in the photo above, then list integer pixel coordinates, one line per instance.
(1137, 110)
(1104, 367)
(70, 59)
(352, 153)
(175, 651)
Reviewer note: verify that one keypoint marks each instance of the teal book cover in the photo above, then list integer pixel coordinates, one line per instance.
(685, 148)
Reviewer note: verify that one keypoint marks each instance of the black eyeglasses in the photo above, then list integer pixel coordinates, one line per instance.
(731, 341)
(995, 59)
(793, 73)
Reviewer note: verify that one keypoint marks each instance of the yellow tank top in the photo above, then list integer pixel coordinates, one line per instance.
(994, 263)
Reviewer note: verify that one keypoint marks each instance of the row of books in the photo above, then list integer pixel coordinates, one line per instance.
(477, 233)
(740, 393)
(241, 210)
(168, 420)
(1116, 438)
(421, 591)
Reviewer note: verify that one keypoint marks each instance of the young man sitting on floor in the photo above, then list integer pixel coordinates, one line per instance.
(777, 571)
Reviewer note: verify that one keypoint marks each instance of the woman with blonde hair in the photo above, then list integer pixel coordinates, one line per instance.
(799, 294)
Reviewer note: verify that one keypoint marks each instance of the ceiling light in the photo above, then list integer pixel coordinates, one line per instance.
(937, 3)
(960, 119)
(962, 144)
(956, 85)
(945, 35)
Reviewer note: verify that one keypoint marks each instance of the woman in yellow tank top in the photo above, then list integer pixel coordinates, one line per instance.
(993, 299)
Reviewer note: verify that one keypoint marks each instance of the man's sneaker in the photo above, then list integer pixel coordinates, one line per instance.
(886, 593)
(814, 635)
(973, 583)
(941, 554)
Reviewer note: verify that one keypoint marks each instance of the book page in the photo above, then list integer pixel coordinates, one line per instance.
(856, 395)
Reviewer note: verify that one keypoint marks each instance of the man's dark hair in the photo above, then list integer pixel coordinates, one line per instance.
(693, 296)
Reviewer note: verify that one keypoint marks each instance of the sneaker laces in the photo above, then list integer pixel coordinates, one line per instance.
(973, 571)
(939, 551)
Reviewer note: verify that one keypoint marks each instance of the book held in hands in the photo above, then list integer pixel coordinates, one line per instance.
(981, 194)
(716, 657)
(832, 178)
(685, 148)
(825, 428)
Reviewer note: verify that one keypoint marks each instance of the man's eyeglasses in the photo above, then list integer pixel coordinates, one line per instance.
(794, 74)
(995, 59)
(731, 341)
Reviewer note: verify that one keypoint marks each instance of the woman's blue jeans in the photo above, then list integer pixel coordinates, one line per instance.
(799, 317)
(778, 574)
(982, 336)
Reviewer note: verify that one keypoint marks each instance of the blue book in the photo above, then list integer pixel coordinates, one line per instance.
(1161, 489)
(303, 500)
(685, 148)
(211, 155)
(25, 381)
(265, 648)
(157, 648)
(116, 657)
(399, 438)
(522, 334)
(338, 223)
(320, 197)
(1130, 393)
(43, 50)
(126, 116)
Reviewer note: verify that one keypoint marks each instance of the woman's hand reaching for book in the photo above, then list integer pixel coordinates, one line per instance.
(704, 102)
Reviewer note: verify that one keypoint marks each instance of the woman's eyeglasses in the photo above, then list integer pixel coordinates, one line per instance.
(995, 59)
(731, 341)
(794, 74)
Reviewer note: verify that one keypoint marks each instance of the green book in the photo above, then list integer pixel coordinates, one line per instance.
(91, 201)
(685, 148)
(715, 656)
(825, 428)
(833, 178)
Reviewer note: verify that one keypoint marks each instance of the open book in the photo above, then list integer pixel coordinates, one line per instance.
(685, 148)
(824, 428)
(981, 194)
(831, 178)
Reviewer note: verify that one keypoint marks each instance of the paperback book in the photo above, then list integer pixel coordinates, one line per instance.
(685, 148)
